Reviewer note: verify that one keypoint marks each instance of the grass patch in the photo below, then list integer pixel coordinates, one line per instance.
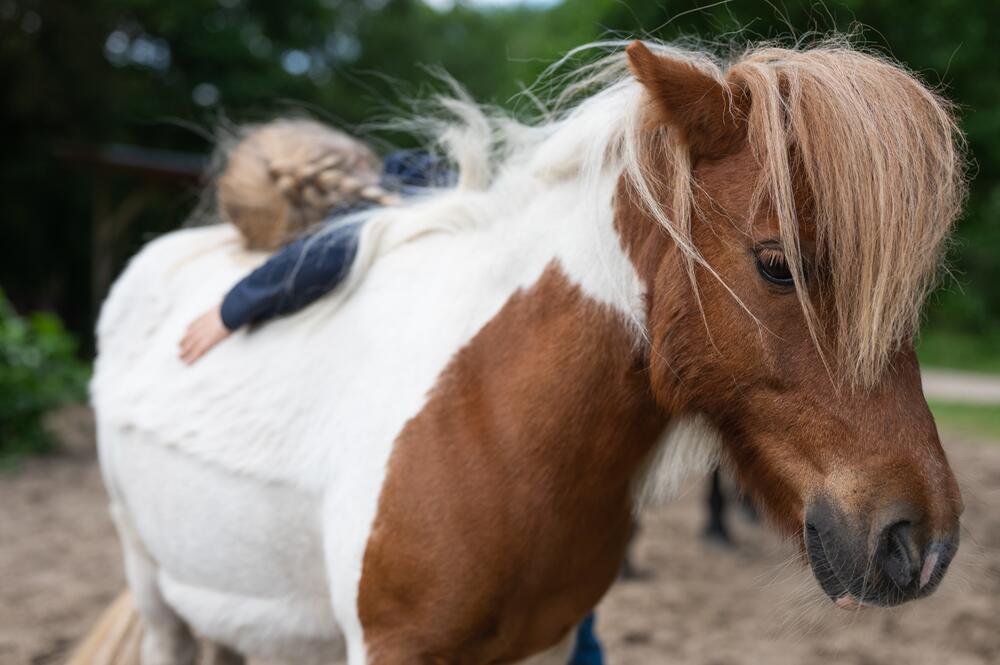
(973, 353)
(977, 419)
(39, 371)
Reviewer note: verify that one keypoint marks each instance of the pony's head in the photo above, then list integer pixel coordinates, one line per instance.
(806, 196)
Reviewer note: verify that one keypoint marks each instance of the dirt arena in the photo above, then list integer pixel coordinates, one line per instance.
(702, 605)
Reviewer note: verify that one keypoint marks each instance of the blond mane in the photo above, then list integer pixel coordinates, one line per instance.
(879, 151)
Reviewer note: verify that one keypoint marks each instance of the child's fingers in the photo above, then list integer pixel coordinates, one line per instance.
(193, 354)
(194, 333)
(203, 334)
(187, 343)
(191, 347)
(200, 345)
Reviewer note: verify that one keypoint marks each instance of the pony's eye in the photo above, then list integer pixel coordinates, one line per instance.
(773, 267)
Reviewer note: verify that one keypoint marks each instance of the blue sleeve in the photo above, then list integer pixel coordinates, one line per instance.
(296, 276)
(406, 170)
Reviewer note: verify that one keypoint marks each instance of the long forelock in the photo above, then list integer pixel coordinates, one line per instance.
(882, 157)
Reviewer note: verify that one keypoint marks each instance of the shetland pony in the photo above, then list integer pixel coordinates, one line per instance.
(440, 462)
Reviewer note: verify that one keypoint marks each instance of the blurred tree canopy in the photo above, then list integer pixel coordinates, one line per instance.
(86, 73)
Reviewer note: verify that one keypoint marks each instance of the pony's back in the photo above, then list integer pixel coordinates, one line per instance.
(254, 401)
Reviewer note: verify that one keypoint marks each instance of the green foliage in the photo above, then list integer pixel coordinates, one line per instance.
(38, 371)
(940, 347)
(976, 419)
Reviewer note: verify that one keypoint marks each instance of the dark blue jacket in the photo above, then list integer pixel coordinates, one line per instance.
(300, 273)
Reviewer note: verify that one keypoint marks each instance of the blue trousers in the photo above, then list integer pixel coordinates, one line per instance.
(588, 648)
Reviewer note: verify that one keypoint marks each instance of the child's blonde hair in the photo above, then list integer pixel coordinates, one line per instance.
(283, 177)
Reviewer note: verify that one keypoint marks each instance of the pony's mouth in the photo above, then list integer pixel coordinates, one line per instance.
(851, 578)
(825, 573)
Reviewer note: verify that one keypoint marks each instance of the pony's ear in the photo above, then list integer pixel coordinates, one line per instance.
(704, 110)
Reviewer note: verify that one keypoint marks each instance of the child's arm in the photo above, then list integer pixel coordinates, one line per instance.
(295, 277)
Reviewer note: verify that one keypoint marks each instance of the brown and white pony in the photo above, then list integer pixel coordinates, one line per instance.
(440, 462)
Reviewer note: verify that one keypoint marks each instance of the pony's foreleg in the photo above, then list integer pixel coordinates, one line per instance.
(167, 640)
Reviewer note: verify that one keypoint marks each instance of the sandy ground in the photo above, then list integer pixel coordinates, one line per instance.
(702, 605)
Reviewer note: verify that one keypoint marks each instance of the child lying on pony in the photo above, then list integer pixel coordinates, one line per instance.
(283, 183)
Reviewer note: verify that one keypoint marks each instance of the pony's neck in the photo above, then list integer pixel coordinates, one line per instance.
(516, 478)
(663, 270)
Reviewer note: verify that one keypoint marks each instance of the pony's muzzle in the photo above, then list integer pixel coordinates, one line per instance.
(887, 563)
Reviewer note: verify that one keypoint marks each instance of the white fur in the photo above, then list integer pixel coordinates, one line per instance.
(689, 447)
(247, 484)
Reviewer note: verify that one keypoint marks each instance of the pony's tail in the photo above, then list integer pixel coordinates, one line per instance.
(116, 638)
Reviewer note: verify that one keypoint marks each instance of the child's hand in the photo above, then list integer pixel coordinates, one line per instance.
(204, 332)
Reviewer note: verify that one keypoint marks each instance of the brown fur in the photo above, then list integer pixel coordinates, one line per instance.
(507, 504)
(761, 383)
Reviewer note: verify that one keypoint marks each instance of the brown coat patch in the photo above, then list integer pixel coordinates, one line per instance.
(507, 504)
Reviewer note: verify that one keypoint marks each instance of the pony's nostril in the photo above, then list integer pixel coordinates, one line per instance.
(900, 562)
(939, 555)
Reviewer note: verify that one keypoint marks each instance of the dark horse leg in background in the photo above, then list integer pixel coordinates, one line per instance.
(716, 530)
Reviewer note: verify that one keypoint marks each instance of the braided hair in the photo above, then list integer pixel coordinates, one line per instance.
(285, 176)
